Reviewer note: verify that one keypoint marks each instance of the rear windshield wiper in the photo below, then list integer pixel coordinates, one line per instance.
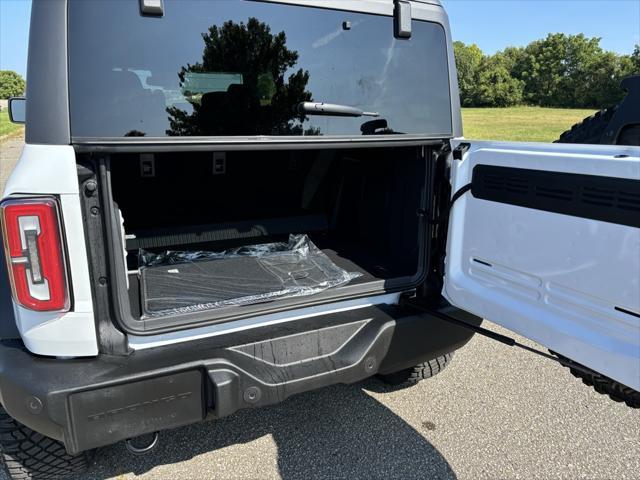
(321, 108)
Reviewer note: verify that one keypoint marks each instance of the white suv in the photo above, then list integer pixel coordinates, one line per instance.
(221, 204)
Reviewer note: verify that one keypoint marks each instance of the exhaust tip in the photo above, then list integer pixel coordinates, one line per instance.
(145, 448)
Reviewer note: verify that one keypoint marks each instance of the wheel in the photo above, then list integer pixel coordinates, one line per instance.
(27, 455)
(411, 376)
(591, 129)
(603, 385)
(630, 135)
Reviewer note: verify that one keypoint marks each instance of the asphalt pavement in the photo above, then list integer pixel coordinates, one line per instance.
(495, 413)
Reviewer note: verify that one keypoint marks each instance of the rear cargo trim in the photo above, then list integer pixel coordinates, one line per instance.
(151, 341)
(193, 144)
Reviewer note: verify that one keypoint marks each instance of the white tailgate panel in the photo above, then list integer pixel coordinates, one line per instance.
(554, 278)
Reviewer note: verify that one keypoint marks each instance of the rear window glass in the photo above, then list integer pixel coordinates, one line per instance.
(241, 68)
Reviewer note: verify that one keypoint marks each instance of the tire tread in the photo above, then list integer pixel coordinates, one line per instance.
(603, 385)
(28, 455)
(411, 376)
(589, 130)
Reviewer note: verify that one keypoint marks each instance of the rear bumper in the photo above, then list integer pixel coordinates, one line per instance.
(95, 402)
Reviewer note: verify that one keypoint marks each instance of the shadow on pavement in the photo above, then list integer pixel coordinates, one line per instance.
(339, 431)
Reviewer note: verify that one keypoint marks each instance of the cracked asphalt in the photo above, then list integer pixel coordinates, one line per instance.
(496, 412)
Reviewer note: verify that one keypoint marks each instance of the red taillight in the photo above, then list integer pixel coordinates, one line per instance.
(33, 248)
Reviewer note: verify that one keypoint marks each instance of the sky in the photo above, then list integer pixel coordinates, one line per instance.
(491, 24)
(496, 24)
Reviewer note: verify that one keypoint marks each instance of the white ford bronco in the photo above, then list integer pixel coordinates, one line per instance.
(221, 204)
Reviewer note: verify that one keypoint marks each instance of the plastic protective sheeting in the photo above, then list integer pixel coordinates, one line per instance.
(177, 282)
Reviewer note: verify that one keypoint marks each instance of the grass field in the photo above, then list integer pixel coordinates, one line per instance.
(6, 127)
(520, 124)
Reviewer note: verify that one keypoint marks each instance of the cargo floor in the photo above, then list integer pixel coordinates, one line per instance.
(149, 296)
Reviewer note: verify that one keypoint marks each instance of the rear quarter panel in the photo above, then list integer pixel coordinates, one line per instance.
(51, 170)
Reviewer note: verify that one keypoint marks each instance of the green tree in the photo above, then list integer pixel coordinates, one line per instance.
(511, 57)
(633, 66)
(11, 84)
(468, 61)
(569, 71)
(602, 75)
(496, 87)
(265, 102)
(486, 81)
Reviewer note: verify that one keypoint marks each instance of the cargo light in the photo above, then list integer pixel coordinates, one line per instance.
(33, 249)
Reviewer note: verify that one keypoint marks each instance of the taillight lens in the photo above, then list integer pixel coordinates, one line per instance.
(35, 258)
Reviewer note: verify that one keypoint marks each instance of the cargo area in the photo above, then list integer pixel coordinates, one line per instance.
(360, 209)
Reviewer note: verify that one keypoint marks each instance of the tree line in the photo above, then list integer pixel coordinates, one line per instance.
(566, 71)
(11, 84)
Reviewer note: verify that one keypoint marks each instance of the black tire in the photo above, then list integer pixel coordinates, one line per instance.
(590, 130)
(413, 375)
(630, 135)
(603, 385)
(27, 455)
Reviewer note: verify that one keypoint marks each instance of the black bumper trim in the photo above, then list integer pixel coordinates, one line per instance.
(94, 402)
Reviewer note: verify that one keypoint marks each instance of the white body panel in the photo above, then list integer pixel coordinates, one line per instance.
(553, 278)
(51, 170)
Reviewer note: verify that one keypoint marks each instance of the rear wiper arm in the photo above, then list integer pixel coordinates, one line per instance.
(321, 108)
